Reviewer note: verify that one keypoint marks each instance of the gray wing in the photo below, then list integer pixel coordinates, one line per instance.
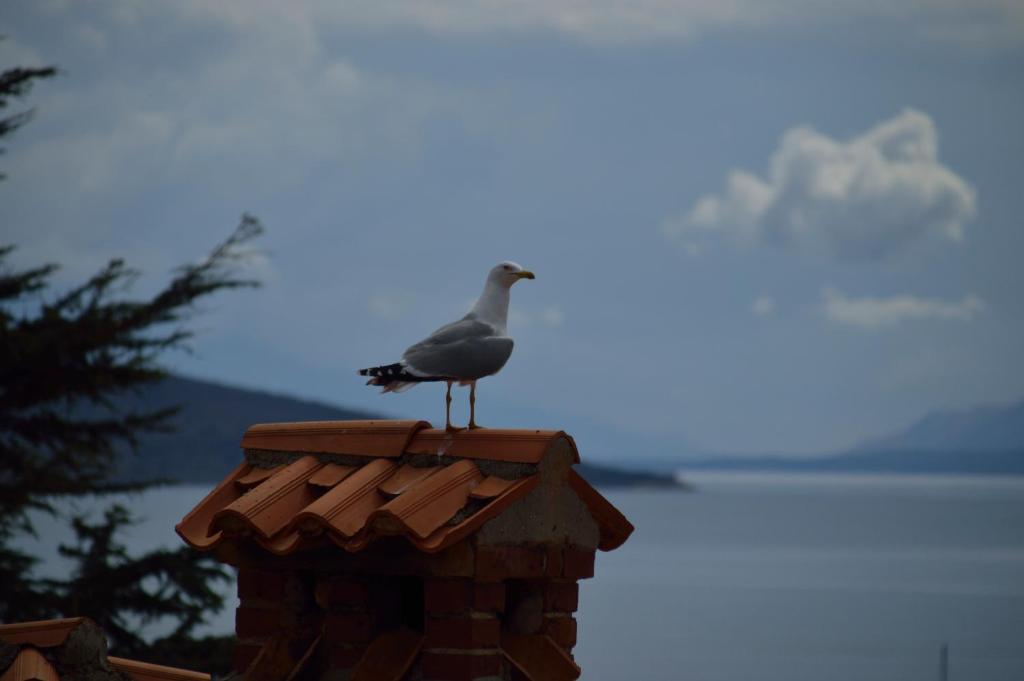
(466, 350)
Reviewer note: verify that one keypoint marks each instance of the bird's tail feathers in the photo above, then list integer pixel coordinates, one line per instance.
(398, 386)
(395, 378)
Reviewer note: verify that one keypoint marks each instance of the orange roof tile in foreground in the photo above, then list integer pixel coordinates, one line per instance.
(378, 491)
(144, 671)
(42, 634)
(31, 665)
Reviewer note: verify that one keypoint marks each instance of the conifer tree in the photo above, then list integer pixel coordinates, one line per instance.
(64, 359)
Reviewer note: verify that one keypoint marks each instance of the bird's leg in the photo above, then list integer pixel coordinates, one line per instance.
(472, 406)
(448, 410)
(448, 407)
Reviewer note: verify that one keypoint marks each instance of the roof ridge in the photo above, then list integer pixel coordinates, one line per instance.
(148, 671)
(41, 633)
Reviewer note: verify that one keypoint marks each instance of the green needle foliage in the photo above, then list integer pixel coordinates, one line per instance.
(64, 361)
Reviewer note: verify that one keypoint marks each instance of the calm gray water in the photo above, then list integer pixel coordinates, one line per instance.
(830, 578)
(791, 577)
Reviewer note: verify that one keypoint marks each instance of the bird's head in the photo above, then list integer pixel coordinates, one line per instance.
(508, 273)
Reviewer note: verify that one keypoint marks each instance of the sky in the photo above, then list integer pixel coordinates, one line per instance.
(778, 226)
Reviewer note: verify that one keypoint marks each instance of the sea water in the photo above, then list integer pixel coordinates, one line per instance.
(812, 577)
(773, 577)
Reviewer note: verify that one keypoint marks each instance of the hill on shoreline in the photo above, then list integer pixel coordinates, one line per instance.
(983, 441)
(205, 446)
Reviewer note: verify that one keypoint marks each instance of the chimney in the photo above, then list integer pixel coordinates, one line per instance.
(389, 550)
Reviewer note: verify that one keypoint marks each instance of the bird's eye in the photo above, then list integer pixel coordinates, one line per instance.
(507, 267)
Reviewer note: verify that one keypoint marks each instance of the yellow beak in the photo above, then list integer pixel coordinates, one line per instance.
(525, 274)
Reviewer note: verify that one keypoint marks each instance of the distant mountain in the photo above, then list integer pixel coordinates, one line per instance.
(205, 446)
(1009, 462)
(990, 428)
(983, 440)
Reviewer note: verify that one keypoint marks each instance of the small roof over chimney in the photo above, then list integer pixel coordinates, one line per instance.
(351, 483)
(390, 550)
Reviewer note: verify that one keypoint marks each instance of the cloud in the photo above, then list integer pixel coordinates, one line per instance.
(863, 199)
(979, 23)
(874, 313)
(763, 306)
(255, 106)
(385, 306)
(551, 316)
(265, 88)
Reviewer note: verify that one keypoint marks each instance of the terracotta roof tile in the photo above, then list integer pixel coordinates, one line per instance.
(330, 475)
(30, 665)
(41, 634)
(420, 506)
(366, 438)
(272, 504)
(490, 487)
(495, 444)
(425, 507)
(405, 477)
(432, 501)
(448, 535)
(256, 476)
(615, 528)
(195, 527)
(144, 671)
(345, 508)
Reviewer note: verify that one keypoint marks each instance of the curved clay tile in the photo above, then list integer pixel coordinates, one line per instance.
(490, 487)
(268, 507)
(331, 474)
(404, 478)
(366, 438)
(345, 508)
(283, 543)
(614, 527)
(446, 536)
(495, 444)
(195, 528)
(255, 476)
(430, 504)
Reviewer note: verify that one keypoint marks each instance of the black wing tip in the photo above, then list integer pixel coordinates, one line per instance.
(386, 374)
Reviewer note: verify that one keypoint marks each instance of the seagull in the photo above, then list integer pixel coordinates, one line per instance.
(464, 351)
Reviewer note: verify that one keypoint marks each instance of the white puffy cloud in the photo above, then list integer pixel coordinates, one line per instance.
(874, 313)
(864, 198)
